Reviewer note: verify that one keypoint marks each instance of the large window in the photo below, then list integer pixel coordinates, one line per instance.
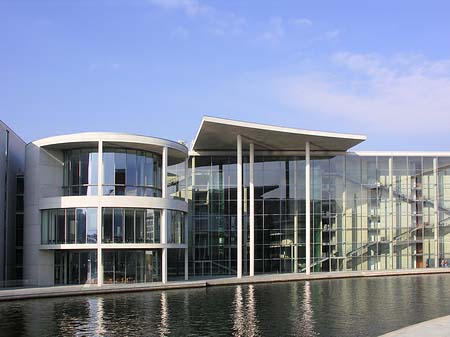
(131, 225)
(80, 172)
(75, 267)
(175, 227)
(131, 172)
(131, 266)
(70, 225)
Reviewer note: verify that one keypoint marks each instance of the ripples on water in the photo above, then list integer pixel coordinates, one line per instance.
(348, 307)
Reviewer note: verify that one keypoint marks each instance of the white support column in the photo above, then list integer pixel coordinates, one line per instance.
(391, 215)
(239, 206)
(295, 219)
(308, 208)
(436, 212)
(186, 221)
(164, 215)
(252, 209)
(99, 215)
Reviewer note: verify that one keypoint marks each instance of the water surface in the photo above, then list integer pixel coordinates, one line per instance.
(347, 307)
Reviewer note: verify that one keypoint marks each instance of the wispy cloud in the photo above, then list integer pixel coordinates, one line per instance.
(402, 94)
(275, 31)
(219, 22)
(302, 22)
(180, 32)
(332, 34)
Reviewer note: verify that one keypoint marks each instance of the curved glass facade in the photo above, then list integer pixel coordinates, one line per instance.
(80, 172)
(131, 172)
(131, 225)
(68, 225)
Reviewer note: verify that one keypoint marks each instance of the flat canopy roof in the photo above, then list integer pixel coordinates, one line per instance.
(218, 134)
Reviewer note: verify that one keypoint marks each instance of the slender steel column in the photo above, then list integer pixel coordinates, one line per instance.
(252, 210)
(164, 215)
(239, 206)
(99, 214)
(295, 219)
(391, 215)
(436, 212)
(186, 224)
(308, 208)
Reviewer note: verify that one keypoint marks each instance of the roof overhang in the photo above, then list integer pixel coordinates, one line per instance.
(219, 134)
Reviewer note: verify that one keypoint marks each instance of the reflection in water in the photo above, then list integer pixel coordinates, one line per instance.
(245, 322)
(347, 307)
(252, 321)
(238, 314)
(164, 326)
(308, 321)
(98, 318)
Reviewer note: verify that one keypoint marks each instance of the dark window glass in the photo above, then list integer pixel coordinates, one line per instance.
(61, 226)
(70, 222)
(81, 225)
(139, 225)
(118, 225)
(107, 225)
(129, 225)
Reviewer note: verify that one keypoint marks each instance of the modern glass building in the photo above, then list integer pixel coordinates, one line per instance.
(246, 199)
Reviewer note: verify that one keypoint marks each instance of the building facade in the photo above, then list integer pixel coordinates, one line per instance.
(104, 208)
(246, 199)
(12, 166)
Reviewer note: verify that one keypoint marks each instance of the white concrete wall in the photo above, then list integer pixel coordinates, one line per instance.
(44, 177)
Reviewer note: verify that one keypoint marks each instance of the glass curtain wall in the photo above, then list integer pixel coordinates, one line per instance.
(131, 225)
(212, 220)
(80, 172)
(131, 172)
(367, 213)
(176, 180)
(75, 267)
(131, 266)
(68, 225)
(175, 226)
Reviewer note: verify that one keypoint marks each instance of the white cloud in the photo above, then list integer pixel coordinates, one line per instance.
(275, 32)
(332, 34)
(302, 22)
(190, 7)
(402, 94)
(180, 32)
(218, 22)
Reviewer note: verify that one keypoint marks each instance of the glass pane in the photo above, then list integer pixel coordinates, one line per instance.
(139, 225)
(131, 172)
(81, 225)
(107, 225)
(70, 222)
(108, 173)
(118, 225)
(129, 225)
(92, 225)
(119, 172)
(60, 228)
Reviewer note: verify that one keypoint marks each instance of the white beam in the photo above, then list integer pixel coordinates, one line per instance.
(252, 210)
(308, 209)
(239, 206)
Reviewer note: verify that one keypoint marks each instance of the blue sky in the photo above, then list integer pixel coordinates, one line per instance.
(154, 67)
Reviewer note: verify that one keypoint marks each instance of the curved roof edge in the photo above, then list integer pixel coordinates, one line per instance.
(86, 137)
